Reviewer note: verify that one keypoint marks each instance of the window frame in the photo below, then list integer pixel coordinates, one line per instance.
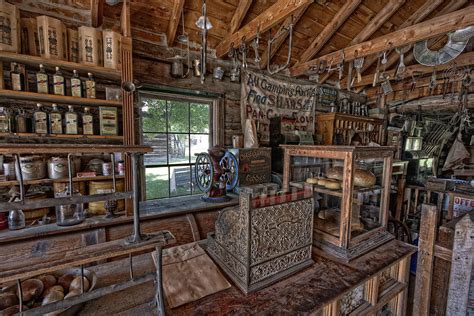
(215, 133)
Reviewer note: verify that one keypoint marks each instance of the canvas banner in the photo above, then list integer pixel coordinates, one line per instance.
(264, 97)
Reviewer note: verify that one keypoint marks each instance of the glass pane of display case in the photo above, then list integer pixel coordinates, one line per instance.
(367, 196)
(327, 192)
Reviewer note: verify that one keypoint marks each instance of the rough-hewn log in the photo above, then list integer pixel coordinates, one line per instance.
(318, 43)
(416, 17)
(239, 15)
(463, 60)
(409, 35)
(273, 15)
(431, 104)
(375, 23)
(174, 21)
(280, 40)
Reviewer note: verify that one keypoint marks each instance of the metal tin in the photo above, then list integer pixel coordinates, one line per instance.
(96, 166)
(9, 170)
(197, 68)
(121, 168)
(234, 75)
(107, 168)
(218, 73)
(32, 168)
(58, 168)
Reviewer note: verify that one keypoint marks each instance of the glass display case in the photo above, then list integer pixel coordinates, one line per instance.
(351, 188)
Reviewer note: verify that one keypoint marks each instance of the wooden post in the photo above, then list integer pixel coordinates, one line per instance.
(429, 215)
(127, 97)
(346, 204)
(461, 268)
(400, 197)
(403, 277)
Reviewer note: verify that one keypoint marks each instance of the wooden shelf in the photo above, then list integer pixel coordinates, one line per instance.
(338, 193)
(50, 64)
(60, 136)
(52, 98)
(48, 181)
(32, 149)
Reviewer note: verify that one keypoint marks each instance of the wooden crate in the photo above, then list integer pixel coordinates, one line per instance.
(255, 165)
(330, 125)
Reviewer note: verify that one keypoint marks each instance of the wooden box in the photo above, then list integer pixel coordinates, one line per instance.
(90, 46)
(262, 241)
(52, 37)
(29, 37)
(352, 211)
(254, 165)
(111, 53)
(9, 27)
(73, 45)
(339, 129)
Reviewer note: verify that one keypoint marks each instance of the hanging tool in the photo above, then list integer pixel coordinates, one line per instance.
(244, 51)
(432, 85)
(358, 64)
(377, 72)
(286, 30)
(349, 76)
(255, 45)
(401, 65)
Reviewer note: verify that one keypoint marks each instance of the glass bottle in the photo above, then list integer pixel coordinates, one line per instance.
(41, 80)
(90, 86)
(55, 120)
(40, 120)
(87, 122)
(76, 85)
(21, 125)
(58, 82)
(5, 123)
(16, 219)
(71, 121)
(17, 78)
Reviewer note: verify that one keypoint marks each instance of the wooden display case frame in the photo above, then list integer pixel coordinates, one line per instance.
(346, 247)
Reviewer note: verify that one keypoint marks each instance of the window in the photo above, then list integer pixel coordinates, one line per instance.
(176, 128)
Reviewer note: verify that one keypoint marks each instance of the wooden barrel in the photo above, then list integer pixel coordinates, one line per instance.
(100, 187)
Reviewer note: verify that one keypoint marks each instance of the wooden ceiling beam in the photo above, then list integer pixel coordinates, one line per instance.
(375, 23)
(273, 15)
(280, 40)
(417, 17)
(408, 35)
(239, 15)
(462, 60)
(318, 43)
(174, 21)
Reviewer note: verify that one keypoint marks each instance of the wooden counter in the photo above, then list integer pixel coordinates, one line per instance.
(319, 288)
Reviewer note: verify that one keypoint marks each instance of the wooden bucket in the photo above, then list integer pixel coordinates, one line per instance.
(100, 187)
(52, 38)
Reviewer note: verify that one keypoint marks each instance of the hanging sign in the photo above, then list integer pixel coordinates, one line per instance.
(264, 97)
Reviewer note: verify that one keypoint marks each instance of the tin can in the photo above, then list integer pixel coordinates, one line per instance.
(32, 168)
(121, 168)
(107, 168)
(9, 170)
(218, 73)
(58, 168)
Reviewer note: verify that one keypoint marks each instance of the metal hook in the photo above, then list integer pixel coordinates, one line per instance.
(289, 31)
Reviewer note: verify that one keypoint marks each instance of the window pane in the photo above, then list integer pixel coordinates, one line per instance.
(153, 115)
(200, 118)
(178, 117)
(157, 183)
(199, 144)
(180, 181)
(158, 143)
(178, 148)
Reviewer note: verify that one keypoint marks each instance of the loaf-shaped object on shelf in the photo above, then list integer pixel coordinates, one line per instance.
(362, 178)
(10, 39)
(332, 184)
(312, 180)
(31, 288)
(52, 38)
